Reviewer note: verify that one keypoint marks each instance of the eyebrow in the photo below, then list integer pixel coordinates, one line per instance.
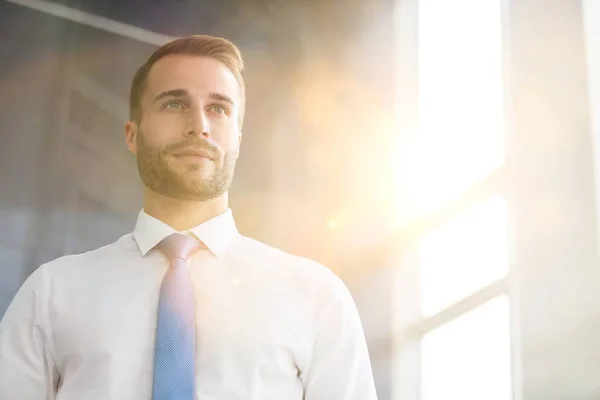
(185, 93)
(221, 97)
(172, 93)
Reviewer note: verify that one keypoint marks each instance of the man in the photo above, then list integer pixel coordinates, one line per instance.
(184, 307)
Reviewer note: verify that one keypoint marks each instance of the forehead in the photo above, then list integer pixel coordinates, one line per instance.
(196, 74)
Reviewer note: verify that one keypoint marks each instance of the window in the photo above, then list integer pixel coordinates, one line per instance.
(461, 132)
(461, 247)
(469, 357)
(464, 255)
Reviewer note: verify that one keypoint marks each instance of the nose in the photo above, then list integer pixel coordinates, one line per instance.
(198, 124)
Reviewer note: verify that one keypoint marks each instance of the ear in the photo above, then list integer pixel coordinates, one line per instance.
(131, 132)
(239, 144)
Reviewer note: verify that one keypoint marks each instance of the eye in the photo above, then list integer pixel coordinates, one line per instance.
(174, 104)
(219, 109)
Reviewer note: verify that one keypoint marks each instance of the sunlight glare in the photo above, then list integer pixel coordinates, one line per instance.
(460, 134)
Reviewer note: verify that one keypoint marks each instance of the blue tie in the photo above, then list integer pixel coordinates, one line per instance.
(175, 352)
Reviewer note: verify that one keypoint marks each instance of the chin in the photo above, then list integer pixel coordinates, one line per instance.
(197, 178)
(202, 167)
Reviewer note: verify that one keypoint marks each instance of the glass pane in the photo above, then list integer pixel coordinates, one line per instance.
(469, 357)
(460, 135)
(464, 255)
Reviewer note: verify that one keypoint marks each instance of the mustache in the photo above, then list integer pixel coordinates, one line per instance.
(193, 144)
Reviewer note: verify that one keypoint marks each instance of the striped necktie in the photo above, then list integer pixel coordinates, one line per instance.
(175, 352)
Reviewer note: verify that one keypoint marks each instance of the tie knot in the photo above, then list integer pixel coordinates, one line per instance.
(178, 245)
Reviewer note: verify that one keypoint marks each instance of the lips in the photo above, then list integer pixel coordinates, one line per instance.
(198, 153)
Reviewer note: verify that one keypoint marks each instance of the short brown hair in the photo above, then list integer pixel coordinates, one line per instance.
(201, 45)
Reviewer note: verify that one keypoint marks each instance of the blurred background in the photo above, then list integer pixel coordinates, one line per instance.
(442, 157)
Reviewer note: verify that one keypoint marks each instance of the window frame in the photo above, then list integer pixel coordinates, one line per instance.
(408, 326)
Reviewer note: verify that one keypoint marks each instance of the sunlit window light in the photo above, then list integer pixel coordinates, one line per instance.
(464, 255)
(469, 358)
(460, 134)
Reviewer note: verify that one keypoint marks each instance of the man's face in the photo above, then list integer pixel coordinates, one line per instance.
(187, 140)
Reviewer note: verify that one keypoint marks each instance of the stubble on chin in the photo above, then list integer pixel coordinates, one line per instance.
(158, 176)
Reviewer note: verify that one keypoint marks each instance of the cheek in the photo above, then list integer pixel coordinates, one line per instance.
(228, 137)
(234, 146)
(228, 146)
(162, 130)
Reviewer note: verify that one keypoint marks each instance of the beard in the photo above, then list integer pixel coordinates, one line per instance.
(157, 176)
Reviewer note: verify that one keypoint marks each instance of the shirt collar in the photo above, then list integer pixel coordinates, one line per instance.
(216, 233)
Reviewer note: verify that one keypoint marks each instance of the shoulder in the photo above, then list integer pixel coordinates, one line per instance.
(254, 250)
(72, 262)
(274, 262)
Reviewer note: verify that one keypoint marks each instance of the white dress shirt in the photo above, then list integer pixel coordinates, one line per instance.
(269, 325)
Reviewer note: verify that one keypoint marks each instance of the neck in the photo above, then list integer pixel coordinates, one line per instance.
(182, 215)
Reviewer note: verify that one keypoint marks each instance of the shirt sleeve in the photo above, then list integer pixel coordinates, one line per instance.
(26, 369)
(340, 367)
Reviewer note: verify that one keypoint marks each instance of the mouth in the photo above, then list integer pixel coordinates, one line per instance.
(195, 154)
